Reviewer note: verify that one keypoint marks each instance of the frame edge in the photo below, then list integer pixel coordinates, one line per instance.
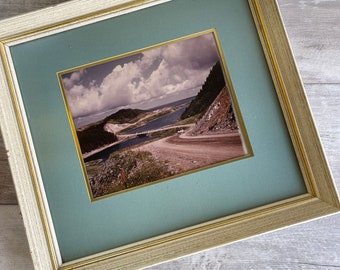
(21, 169)
(294, 103)
(323, 200)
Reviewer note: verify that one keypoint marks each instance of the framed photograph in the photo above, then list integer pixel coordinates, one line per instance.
(153, 114)
(142, 131)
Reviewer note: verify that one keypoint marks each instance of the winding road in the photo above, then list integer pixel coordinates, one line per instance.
(186, 153)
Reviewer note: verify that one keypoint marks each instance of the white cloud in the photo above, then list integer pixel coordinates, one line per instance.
(73, 79)
(158, 73)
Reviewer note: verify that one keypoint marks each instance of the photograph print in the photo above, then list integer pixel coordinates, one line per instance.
(153, 114)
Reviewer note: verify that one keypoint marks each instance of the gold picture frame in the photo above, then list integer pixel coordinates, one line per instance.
(36, 198)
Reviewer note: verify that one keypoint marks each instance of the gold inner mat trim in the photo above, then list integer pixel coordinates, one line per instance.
(208, 226)
(30, 161)
(19, 114)
(76, 20)
(28, 154)
(244, 135)
(290, 119)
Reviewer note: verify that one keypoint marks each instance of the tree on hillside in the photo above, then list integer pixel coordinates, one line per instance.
(209, 91)
(94, 137)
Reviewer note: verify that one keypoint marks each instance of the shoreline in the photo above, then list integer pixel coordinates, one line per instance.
(95, 151)
(183, 136)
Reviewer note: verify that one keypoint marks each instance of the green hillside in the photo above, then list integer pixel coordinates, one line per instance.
(208, 93)
(125, 116)
(94, 137)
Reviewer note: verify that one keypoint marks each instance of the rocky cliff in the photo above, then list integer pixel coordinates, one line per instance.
(219, 118)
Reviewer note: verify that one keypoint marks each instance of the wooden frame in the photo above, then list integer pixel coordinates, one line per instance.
(319, 200)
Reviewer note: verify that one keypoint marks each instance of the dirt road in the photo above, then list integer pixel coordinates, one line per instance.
(185, 153)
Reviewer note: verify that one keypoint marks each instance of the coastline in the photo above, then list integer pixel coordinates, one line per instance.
(95, 151)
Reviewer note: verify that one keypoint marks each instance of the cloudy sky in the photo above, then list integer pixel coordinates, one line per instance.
(144, 80)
